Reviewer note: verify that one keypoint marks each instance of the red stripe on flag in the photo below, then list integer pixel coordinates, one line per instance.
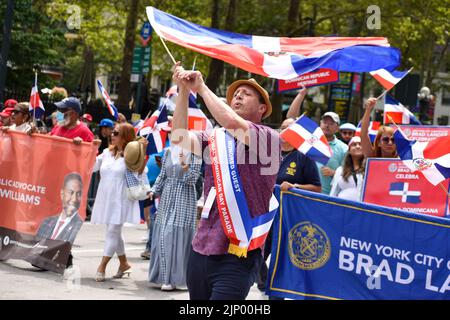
(238, 55)
(196, 123)
(293, 138)
(396, 116)
(386, 84)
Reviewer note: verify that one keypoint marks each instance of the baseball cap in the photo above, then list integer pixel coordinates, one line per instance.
(22, 107)
(10, 103)
(87, 117)
(106, 123)
(252, 82)
(7, 112)
(347, 126)
(333, 116)
(70, 102)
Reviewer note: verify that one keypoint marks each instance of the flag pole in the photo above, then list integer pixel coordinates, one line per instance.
(168, 51)
(34, 106)
(443, 188)
(193, 65)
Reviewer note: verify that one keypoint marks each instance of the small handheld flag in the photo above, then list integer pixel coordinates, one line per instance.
(111, 107)
(36, 105)
(398, 112)
(307, 137)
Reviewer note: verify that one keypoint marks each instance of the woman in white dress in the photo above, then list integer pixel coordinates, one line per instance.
(348, 179)
(112, 206)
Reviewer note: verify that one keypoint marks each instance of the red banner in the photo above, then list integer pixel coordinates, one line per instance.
(425, 133)
(44, 181)
(389, 183)
(310, 79)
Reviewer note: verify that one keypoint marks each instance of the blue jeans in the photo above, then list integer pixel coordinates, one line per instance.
(222, 277)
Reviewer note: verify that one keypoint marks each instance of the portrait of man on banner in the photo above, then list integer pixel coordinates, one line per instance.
(66, 224)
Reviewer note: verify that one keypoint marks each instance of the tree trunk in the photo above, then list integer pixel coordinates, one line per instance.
(130, 33)
(216, 66)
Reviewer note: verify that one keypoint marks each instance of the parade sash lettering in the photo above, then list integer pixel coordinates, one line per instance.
(245, 233)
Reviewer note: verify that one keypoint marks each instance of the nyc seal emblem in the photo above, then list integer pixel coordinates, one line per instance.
(309, 246)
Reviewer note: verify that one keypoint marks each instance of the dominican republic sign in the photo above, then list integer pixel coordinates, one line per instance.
(310, 79)
(388, 182)
(329, 248)
(425, 133)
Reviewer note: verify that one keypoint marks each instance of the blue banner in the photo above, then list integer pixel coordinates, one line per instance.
(327, 248)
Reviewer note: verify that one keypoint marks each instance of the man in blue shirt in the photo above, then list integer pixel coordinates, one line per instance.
(330, 126)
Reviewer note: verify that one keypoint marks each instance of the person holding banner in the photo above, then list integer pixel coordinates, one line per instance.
(384, 144)
(238, 212)
(348, 180)
(20, 117)
(111, 206)
(69, 124)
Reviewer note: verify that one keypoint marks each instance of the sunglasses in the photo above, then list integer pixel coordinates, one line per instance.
(387, 139)
(115, 133)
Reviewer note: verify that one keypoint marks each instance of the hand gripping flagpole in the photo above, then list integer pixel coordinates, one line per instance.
(398, 128)
(386, 91)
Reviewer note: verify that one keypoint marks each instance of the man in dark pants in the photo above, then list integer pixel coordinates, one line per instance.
(218, 267)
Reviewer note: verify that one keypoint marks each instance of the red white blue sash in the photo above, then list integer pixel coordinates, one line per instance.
(245, 233)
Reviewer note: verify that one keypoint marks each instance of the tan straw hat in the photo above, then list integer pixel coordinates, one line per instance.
(252, 82)
(134, 155)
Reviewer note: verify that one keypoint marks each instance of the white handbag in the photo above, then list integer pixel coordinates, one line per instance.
(137, 188)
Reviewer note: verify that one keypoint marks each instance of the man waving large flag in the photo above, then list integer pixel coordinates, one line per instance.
(277, 57)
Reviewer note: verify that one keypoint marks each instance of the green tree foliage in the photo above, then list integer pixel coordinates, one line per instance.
(35, 39)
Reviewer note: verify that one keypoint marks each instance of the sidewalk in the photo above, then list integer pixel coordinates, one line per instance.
(19, 280)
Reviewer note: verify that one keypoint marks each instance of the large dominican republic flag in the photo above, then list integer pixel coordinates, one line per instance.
(277, 57)
(373, 130)
(307, 137)
(398, 112)
(430, 158)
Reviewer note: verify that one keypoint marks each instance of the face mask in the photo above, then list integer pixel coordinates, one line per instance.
(59, 117)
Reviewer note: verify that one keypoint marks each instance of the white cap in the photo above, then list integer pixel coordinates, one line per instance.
(347, 126)
(333, 116)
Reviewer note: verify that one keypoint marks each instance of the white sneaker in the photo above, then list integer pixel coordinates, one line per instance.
(167, 287)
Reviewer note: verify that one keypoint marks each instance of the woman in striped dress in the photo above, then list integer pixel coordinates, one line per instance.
(175, 221)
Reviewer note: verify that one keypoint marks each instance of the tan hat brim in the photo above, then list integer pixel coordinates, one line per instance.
(232, 88)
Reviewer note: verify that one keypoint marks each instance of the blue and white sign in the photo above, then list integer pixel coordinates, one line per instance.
(327, 248)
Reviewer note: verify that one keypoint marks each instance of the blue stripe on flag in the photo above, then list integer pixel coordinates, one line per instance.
(318, 156)
(413, 199)
(351, 59)
(443, 170)
(193, 29)
(307, 124)
(404, 146)
(397, 186)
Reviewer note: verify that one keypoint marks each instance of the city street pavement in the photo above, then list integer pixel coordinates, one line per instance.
(19, 280)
